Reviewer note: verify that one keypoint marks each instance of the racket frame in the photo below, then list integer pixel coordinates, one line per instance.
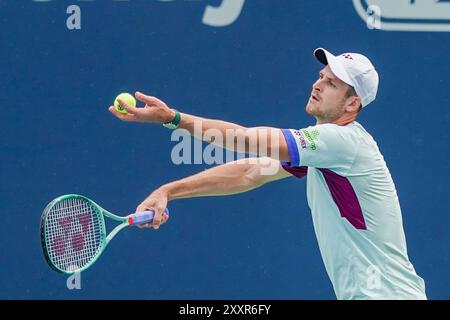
(104, 240)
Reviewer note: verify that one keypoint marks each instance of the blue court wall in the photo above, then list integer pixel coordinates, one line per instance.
(252, 66)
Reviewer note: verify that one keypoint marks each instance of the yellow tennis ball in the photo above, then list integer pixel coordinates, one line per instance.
(127, 98)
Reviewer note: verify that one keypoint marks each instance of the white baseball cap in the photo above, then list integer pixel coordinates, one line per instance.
(355, 70)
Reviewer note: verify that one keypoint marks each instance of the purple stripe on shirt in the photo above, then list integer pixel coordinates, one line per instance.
(345, 198)
(298, 172)
(341, 191)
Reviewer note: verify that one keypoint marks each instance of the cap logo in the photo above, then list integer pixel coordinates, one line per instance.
(347, 56)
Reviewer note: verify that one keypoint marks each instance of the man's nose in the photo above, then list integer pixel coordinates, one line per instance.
(317, 86)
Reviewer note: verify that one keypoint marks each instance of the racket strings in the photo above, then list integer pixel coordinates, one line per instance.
(73, 233)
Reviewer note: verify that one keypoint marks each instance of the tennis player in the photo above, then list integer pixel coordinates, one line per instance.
(354, 204)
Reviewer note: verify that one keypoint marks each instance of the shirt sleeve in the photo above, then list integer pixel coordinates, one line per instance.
(322, 146)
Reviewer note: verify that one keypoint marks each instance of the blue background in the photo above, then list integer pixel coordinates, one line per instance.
(57, 137)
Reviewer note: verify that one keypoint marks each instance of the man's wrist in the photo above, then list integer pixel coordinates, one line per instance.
(174, 121)
(165, 191)
(169, 117)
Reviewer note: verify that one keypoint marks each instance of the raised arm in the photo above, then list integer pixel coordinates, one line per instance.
(261, 141)
(230, 178)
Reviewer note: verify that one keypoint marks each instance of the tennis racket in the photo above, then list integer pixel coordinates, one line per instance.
(73, 233)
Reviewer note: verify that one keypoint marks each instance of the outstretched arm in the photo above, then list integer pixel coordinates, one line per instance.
(261, 141)
(230, 178)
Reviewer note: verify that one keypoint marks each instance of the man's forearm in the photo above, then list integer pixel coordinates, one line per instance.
(261, 141)
(188, 122)
(230, 178)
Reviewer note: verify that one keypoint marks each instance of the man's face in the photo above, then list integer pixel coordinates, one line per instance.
(327, 100)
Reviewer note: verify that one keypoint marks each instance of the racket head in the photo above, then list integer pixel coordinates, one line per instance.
(73, 233)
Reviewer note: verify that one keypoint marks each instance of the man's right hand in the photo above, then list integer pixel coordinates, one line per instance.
(154, 110)
(156, 202)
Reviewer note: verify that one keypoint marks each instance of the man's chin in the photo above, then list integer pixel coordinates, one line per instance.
(309, 109)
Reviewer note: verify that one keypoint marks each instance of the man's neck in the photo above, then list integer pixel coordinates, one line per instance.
(344, 120)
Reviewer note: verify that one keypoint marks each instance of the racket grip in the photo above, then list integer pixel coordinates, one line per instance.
(142, 217)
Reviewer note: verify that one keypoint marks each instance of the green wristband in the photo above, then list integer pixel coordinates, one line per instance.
(175, 122)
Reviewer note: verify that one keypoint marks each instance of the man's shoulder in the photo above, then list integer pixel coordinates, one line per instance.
(352, 130)
(353, 126)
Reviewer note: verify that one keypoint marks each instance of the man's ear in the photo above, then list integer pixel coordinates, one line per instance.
(352, 104)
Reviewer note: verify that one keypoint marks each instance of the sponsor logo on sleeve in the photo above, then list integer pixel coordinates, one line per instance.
(312, 136)
(300, 137)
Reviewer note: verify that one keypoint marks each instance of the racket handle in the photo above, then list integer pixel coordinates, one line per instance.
(142, 217)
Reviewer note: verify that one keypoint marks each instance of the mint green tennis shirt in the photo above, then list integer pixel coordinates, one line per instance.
(355, 210)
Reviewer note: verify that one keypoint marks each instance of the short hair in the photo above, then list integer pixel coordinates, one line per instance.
(351, 92)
